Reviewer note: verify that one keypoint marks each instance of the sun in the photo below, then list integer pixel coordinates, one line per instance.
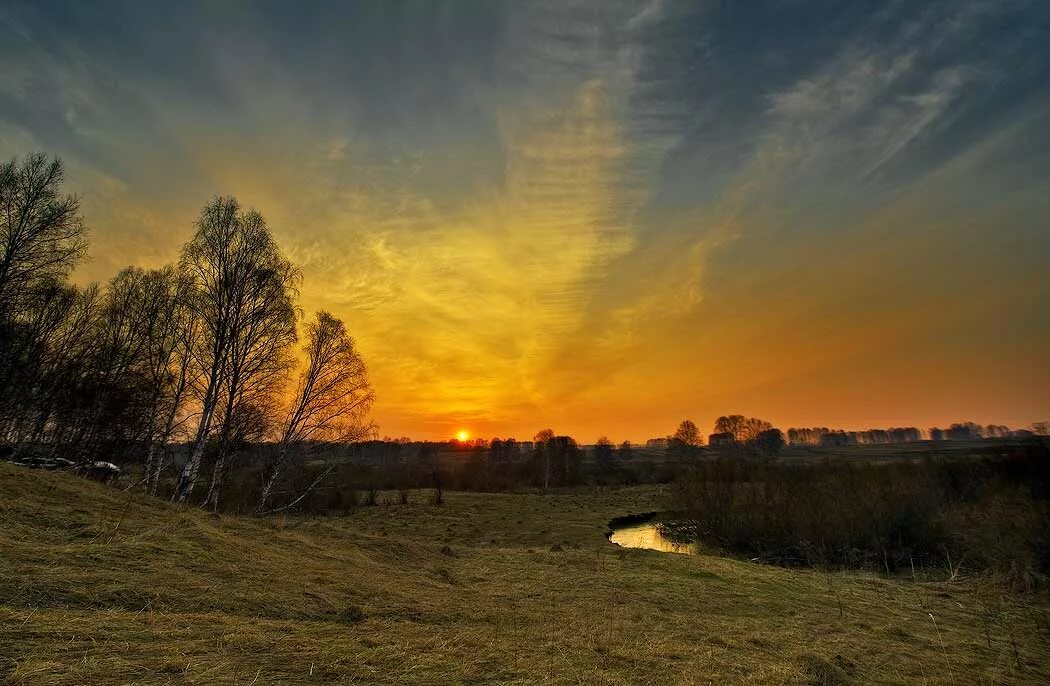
(462, 436)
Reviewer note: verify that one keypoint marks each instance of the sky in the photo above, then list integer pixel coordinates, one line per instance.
(599, 217)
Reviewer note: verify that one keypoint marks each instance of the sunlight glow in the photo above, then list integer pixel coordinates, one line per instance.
(462, 436)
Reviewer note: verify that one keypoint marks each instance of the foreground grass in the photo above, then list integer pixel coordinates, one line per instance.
(99, 587)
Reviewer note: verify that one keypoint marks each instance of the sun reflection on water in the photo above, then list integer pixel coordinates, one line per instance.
(647, 536)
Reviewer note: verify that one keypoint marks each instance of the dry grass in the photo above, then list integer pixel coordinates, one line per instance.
(97, 587)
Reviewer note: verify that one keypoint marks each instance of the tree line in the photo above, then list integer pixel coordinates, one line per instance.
(823, 436)
(200, 352)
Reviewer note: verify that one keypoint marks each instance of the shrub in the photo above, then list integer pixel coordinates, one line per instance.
(985, 514)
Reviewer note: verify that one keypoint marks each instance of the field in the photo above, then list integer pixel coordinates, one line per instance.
(98, 586)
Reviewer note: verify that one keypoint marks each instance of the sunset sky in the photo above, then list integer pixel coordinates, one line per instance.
(600, 217)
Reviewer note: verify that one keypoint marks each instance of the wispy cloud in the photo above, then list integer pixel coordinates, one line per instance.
(578, 213)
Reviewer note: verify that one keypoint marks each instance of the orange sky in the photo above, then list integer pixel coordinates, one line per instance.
(548, 217)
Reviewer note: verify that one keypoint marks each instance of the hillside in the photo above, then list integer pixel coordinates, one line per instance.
(98, 586)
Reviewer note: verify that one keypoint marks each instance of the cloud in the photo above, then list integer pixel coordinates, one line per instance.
(576, 213)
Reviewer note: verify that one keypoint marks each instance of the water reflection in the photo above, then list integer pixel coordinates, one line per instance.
(648, 537)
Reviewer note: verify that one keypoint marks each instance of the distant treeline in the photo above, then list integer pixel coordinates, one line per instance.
(826, 437)
(833, 437)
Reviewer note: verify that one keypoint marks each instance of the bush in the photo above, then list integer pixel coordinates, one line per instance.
(985, 514)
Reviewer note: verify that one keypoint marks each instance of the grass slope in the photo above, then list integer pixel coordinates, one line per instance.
(99, 587)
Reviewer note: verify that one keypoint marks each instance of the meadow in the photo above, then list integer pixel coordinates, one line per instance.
(102, 586)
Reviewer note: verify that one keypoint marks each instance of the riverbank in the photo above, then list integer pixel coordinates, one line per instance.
(103, 587)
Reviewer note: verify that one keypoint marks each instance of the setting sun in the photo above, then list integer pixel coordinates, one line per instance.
(462, 436)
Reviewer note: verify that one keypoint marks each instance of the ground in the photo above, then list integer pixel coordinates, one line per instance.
(99, 586)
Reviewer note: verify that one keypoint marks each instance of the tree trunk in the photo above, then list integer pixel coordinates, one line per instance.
(154, 476)
(148, 468)
(272, 480)
(212, 499)
(188, 477)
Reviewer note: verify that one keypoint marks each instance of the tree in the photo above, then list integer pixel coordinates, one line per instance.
(41, 239)
(241, 292)
(688, 435)
(732, 424)
(565, 459)
(964, 431)
(45, 360)
(170, 333)
(41, 231)
(603, 455)
(753, 428)
(769, 442)
(543, 442)
(543, 436)
(116, 378)
(332, 398)
(742, 428)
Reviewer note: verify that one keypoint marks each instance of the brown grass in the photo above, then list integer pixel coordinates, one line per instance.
(102, 587)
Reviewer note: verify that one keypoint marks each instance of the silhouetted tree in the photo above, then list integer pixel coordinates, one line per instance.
(688, 435)
(170, 336)
(996, 431)
(116, 377)
(964, 431)
(543, 450)
(603, 455)
(332, 399)
(740, 427)
(769, 442)
(41, 239)
(730, 424)
(45, 395)
(41, 230)
(241, 292)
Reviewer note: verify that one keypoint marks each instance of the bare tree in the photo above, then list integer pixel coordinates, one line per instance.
(45, 361)
(170, 333)
(41, 231)
(544, 445)
(114, 378)
(688, 435)
(604, 454)
(731, 424)
(241, 292)
(332, 398)
(742, 428)
(41, 239)
(257, 368)
(753, 427)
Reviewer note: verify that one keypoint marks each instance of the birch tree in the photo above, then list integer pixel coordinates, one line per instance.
(41, 239)
(170, 333)
(241, 292)
(41, 231)
(332, 398)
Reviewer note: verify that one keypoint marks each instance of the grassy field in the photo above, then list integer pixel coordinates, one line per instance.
(99, 587)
